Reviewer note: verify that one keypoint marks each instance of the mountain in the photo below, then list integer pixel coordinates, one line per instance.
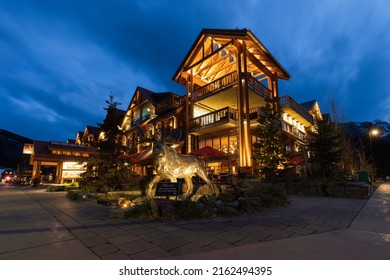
(365, 129)
(11, 149)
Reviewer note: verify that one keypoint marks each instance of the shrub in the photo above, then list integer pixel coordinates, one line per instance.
(270, 195)
(73, 194)
(147, 210)
(188, 209)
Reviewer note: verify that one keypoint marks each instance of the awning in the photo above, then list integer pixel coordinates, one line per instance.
(129, 158)
(209, 152)
(295, 160)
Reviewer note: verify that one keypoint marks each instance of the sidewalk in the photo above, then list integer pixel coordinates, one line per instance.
(368, 238)
(35, 224)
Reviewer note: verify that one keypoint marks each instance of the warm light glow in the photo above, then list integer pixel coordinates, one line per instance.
(374, 132)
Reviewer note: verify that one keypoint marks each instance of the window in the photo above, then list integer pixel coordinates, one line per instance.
(216, 143)
(233, 144)
(137, 118)
(145, 112)
(202, 143)
(224, 144)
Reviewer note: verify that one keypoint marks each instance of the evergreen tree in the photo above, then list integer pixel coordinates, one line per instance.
(269, 151)
(324, 148)
(104, 168)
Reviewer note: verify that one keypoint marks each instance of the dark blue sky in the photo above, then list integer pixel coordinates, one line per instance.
(60, 60)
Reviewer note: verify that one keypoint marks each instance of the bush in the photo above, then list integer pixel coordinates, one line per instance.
(269, 195)
(188, 210)
(73, 194)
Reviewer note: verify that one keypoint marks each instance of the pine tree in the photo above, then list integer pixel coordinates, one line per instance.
(324, 148)
(269, 151)
(103, 167)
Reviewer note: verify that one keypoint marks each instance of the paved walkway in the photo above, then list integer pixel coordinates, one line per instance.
(35, 224)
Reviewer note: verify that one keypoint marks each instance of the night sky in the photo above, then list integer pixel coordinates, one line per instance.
(60, 60)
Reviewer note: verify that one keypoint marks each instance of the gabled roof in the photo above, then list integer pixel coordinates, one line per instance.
(92, 130)
(153, 97)
(309, 104)
(227, 37)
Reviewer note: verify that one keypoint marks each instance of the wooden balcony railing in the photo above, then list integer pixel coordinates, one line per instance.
(287, 101)
(224, 115)
(230, 80)
(294, 131)
(258, 87)
(215, 86)
(169, 103)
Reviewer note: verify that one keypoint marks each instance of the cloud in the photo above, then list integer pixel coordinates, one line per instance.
(68, 56)
(35, 109)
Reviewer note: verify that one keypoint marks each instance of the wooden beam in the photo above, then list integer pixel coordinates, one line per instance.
(207, 56)
(256, 62)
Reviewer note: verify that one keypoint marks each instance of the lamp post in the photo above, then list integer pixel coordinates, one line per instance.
(374, 133)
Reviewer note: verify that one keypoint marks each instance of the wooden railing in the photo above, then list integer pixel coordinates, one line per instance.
(287, 101)
(258, 87)
(224, 115)
(293, 131)
(215, 86)
(169, 102)
(229, 80)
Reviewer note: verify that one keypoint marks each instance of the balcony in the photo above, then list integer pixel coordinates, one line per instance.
(215, 86)
(258, 87)
(293, 131)
(171, 102)
(296, 110)
(223, 118)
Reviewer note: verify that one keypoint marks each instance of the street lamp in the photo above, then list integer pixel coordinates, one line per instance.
(374, 132)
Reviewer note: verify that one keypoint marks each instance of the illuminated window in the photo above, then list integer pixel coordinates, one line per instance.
(137, 117)
(145, 112)
(224, 144)
(209, 142)
(216, 143)
(233, 144)
(202, 143)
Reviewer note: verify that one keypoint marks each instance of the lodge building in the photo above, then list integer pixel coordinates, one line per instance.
(228, 75)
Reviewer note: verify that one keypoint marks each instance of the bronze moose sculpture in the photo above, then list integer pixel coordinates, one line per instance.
(171, 165)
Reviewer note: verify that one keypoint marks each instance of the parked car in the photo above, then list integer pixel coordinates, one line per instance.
(8, 175)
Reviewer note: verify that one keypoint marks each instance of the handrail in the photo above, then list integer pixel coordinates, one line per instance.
(288, 101)
(258, 87)
(172, 101)
(223, 115)
(215, 86)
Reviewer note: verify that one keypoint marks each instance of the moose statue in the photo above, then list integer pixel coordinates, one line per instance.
(171, 165)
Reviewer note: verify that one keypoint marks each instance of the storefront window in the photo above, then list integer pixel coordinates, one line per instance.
(209, 142)
(233, 144)
(202, 143)
(224, 144)
(216, 143)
